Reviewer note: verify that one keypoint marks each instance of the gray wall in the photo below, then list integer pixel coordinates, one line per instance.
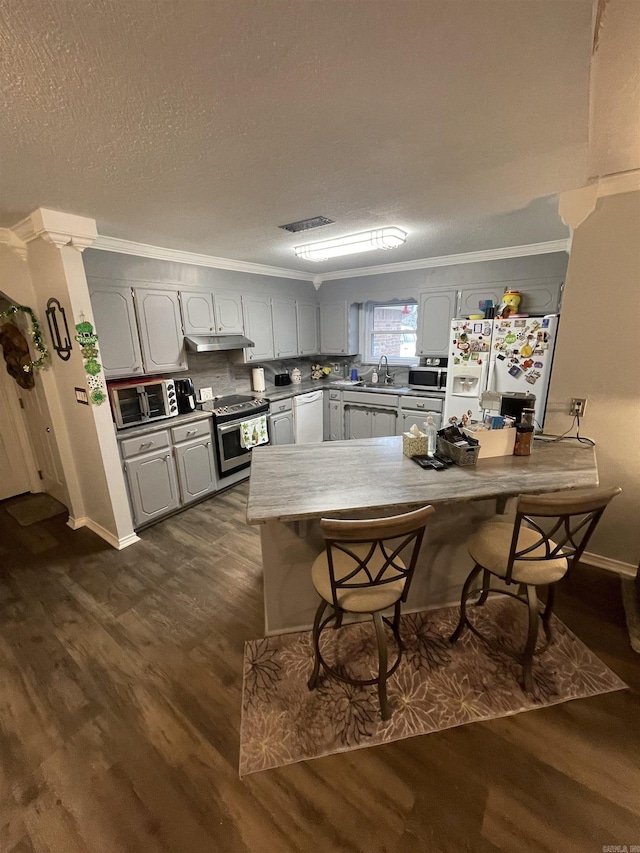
(516, 272)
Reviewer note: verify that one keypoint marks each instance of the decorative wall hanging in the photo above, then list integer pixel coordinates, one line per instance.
(87, 339)
(20, 365)
(57, 320)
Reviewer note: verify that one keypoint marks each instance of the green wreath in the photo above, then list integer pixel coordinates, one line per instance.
(36, 335)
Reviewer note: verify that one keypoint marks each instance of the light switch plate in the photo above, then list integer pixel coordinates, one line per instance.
(206, 394)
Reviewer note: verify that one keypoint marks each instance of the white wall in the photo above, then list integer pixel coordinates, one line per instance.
(596, 358)
(87, 441)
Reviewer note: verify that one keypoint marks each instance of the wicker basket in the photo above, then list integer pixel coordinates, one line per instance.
(460, 455)
(414, 445)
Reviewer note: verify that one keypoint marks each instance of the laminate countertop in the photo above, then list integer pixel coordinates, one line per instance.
(285, 391)
(294, 482)
(162, 423)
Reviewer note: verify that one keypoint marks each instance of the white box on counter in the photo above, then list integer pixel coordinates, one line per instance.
(493, 442)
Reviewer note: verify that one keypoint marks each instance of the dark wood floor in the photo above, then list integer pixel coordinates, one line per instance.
(120, 686)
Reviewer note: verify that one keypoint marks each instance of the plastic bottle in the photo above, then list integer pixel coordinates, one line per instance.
(432, 435)
(374, 376)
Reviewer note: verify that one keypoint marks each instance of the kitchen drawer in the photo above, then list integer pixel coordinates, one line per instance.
(419, 404)
(280, 406)
(195, 429)
(364, 398)
(334, 395)
(144, 443)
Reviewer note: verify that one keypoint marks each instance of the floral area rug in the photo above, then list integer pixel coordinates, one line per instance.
(437, 685)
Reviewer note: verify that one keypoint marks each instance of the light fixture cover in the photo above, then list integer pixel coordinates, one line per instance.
(389, 237)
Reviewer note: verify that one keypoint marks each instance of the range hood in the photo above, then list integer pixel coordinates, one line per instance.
(215, 343)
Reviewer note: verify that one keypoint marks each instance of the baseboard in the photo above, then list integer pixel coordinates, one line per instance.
(609, 565)
(102, 532)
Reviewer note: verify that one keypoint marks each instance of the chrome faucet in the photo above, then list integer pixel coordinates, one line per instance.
(387, 377)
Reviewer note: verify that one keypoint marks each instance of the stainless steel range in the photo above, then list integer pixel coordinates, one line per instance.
(228, 414)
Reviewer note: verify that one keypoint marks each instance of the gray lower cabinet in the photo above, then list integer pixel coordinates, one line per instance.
(336, 421)
(408, 419)
(196, 468)
(168, 468)
(282, 429)
(281, 422)
(369, 423)
(153, 485)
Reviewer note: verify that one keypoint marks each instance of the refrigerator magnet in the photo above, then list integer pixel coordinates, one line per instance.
(527, 363)
(545, 322)
(510, 338)
(477, 328)
(515, 371)
(538, 364)
(519, 323)
(526, 351)
(474, 355)
(532, 377)
(501, 357)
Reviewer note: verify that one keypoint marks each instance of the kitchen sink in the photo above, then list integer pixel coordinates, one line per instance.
(392, 389)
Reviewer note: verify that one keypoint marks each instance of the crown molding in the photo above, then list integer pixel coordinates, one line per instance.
(144, 250)
(450, 260)
(11, 240)
(620, 182)
(58, 228)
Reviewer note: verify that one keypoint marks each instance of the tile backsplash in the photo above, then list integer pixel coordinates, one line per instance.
(218, 371)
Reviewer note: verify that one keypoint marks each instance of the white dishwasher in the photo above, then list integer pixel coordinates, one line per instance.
(307, 417)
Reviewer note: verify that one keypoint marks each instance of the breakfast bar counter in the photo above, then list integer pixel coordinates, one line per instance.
(293, 486)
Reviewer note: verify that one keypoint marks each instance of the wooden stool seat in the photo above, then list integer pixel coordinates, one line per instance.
(361, 571)
(490, 546)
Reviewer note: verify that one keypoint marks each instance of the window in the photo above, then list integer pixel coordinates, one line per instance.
(391, 330)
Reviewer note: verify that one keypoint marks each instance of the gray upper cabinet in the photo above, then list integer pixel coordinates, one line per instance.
(435, 312)
(338, 328)
(541, 298)
(258, 327)
(115, 320)
(307, 317)
(197, 312)
(161, 333)
(285, 334)
(470, 297)
(229, 319)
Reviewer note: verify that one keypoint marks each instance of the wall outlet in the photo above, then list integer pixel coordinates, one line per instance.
(336, 368)
(206, 394)
(578, 406)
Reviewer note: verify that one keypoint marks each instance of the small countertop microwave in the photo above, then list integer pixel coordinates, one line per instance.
(432, 376)
(135, 403)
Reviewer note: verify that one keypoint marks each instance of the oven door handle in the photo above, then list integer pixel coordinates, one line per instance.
(226, 427)
(144, 404)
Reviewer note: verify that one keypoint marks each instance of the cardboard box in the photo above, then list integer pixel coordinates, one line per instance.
(493, 442)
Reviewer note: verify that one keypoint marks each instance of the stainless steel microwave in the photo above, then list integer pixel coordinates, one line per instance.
(431, 377)
(136, 403)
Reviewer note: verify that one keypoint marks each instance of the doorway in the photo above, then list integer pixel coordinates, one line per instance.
(14, 470)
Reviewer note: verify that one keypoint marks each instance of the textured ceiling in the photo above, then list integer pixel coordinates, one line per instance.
(205, 124)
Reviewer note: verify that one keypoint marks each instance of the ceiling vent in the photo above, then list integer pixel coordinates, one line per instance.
(306, 224)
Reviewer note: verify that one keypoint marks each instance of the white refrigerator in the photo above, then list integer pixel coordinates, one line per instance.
(499, 355)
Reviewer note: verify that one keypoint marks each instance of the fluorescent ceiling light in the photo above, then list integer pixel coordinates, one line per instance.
(378, 238)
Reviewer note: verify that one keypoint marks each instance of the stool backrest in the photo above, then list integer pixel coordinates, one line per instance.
(574, 517)
(387, 538)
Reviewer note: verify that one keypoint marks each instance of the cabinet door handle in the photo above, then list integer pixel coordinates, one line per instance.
(168, 456)
(192, 431)
(146, 444)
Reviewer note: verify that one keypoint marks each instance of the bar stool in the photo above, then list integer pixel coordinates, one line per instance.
(529, 556)
(360, 571)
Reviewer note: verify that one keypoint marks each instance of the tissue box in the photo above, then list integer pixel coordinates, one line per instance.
(414, 445)
(493, 442)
